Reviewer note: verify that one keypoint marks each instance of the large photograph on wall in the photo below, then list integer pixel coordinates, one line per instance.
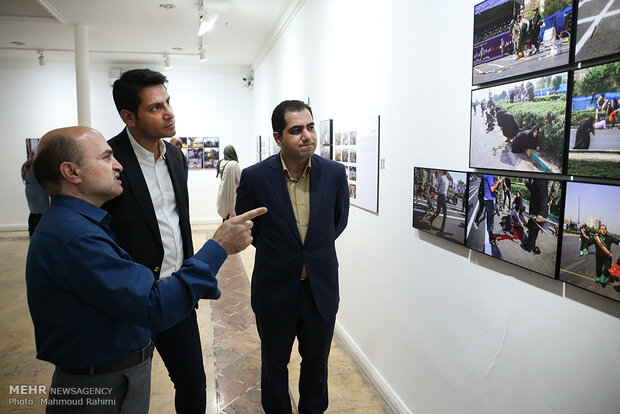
(519, 126)
(594, 142)
(515, 37)
(598, 29)
(439, 203)
(590, 256)
(515, 219)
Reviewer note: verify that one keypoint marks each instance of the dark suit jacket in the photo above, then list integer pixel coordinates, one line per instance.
(280, 254)
(133, 216)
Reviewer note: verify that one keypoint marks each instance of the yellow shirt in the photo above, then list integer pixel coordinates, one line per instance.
(299, 193)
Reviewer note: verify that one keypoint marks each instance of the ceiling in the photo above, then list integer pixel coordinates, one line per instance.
(124, 33)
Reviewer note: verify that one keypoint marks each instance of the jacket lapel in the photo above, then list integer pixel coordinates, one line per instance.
(133, 178)
(315, 194)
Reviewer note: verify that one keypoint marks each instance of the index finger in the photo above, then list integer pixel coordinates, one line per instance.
(249, 215)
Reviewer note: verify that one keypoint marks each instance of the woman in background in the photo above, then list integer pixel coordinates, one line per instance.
(229, 171)
(37, 198)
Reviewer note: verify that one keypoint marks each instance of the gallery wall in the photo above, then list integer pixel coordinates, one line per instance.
(438, 329)
(37, 99)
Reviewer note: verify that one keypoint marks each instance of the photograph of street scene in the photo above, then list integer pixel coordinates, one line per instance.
(590, 256)
(514, 37)
(598, 29)
(519, 126)
(594, 142)
(515, 219)
(438, 203)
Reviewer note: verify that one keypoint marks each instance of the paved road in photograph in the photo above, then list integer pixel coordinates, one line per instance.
(509, 249)
(507, 66)
(598, 30)
(455, 220)
(579, 270)
(603, 139)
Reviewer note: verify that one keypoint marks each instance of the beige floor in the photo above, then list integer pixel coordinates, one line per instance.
(230, 343)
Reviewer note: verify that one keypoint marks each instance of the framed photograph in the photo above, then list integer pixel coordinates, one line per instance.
(211, 157)
(594, 140)
(326, 129)
(590, 255)
(212, 142)
(31, 147)
(598, 29)
(439, 203)
(520, 126)
(515, 219)
(515, 37)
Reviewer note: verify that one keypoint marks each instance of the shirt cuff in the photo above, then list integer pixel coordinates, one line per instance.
(212, 254)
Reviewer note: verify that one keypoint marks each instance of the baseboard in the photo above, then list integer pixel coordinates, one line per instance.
(394, 403)
(14, 227)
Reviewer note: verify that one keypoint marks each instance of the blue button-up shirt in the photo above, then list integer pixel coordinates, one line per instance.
(90, 303)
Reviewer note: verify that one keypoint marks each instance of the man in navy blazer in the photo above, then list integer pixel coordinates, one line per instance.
(295, 277)
(151, 217)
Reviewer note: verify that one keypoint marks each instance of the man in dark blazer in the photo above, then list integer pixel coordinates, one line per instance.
(151, 216)
(295, 277)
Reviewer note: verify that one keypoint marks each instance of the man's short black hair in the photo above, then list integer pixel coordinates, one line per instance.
(278, 123)
(126, 89)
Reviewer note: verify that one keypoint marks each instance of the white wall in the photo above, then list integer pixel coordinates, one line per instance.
(37, 99)
(440, 330)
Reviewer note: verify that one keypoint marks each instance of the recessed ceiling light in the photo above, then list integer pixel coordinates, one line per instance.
(17, 43)
(167, 6)
(177, 49)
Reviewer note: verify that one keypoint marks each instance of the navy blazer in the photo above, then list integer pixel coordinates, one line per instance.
(280, 254)
(133, 216)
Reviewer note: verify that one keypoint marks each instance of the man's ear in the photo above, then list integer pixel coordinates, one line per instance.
(278, 138)
(70, 172)
(128, 117)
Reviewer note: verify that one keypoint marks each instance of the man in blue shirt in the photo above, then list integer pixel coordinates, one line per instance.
(92, 307)
(488, 188)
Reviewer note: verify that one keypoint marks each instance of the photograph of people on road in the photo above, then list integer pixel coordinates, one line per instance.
(519, 126)
(594, 141)
(514, 37)
(438, 203)
(590, 256)
(598, 29)
(515, 219)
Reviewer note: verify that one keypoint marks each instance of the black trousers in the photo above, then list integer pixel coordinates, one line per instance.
(180, 349)
(277, 336)
(603, 263)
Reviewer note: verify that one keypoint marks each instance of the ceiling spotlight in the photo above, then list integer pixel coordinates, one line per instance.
(167, 6)
(203, 55)
(41, 58)
(167, 64)
(207, 22)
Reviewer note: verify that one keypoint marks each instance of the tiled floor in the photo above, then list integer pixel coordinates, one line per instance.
(229, 339)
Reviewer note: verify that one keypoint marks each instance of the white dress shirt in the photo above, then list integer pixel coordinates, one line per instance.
(160, 188)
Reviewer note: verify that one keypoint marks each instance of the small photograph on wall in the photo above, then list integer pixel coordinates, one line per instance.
(195, 151)
(352, 191)
(338, 138)
(338, 156)
(345, 155)
(515, 37)
(31, 147)
(326, 132)
(352, 156)
(326, 152)
(183, 145)
(590, 256)
(515, 219)
(519, 126)
(594, 140)
(212, 142)
(439, 203)
(352, 173)
(598, 29)
(211, 157)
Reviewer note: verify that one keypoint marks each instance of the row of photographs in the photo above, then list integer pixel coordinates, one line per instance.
(516, 37)
(564, 123)
(560, 229)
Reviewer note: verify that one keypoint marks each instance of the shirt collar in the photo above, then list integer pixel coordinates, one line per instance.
(82, 207)
(142, 153)
(306, 169)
